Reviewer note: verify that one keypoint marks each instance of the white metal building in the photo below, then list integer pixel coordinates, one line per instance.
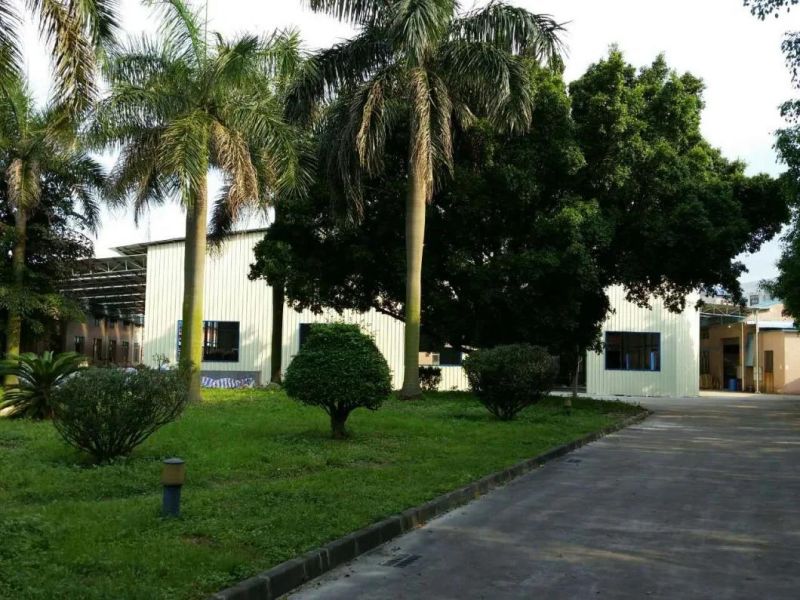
(650, 352)
(238, 315)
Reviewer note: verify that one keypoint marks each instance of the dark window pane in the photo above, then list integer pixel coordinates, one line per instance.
(220, 341)
(305, 329)
(628, 351)
(768, 361)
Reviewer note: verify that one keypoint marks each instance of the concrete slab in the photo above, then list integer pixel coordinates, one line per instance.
(702, 500)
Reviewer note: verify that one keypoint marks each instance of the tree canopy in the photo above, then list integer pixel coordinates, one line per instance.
(524, 239)
(787, 144)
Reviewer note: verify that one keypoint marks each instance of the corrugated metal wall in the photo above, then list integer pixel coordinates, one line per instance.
(231, 296)
(680, 343)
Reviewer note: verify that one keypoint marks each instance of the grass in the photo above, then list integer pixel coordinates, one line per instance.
(264, 484)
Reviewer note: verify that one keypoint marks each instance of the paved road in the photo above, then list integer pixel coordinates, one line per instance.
(702, 500)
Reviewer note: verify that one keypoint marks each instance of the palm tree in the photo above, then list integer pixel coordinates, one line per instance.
(37, 145)
(422, 64)
(179, 106)
(74, 31)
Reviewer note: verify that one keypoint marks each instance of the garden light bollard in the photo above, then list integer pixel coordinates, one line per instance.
(172, 477)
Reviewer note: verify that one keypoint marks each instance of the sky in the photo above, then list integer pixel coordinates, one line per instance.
(736, 55)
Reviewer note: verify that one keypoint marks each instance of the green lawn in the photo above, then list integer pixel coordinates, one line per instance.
(264, 484)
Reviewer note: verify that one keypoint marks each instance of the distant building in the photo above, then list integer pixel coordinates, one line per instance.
(646, 351)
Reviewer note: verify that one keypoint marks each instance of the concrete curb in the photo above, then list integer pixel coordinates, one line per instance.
(293, 573)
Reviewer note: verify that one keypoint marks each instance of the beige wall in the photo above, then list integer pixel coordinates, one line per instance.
(785, 347)
(105, 330)
(791, 363)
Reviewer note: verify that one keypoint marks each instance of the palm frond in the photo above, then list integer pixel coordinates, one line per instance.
(512, 29)
(73, 53)
(324, 74)
(10, 55)
(181, 30)
(419, 26)
(24, 186)
(231, 154)
(359, 12)
(422, 147)
(183, 151)
(374, 108)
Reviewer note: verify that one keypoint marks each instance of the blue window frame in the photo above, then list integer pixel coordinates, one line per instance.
(633, 351)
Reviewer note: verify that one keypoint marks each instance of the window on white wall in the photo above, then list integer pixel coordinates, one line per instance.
(633, 351)
(220, 341)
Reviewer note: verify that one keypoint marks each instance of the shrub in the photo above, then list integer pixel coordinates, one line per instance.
(507, 379)
(108, 412)
(338, 369)
(37, 379)
(430, 378)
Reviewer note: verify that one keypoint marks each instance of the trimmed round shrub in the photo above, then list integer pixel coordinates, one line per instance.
(338, 369)
(507, 379)
(429, 378)
(108, 412)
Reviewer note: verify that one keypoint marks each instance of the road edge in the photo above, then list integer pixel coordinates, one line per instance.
(289, 575)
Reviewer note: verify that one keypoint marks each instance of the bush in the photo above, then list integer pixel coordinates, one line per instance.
(37, 379)
(338, 369)
(430, 378)
(108, 412)
(507, 379)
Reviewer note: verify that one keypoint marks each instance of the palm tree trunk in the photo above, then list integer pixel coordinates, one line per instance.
(14, 329)
(415, 241)
(276, 351)
(194, 267)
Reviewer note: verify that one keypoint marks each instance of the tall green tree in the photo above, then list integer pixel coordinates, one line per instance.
(787, 143)
(428, 64)
(74, 31)
(179, 106)
(534, 226)
(37, 146)
(662, 188)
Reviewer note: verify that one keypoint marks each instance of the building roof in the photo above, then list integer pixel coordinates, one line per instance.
(111, 287)
(141, 247)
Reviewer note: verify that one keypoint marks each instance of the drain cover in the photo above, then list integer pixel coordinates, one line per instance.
(401, 560)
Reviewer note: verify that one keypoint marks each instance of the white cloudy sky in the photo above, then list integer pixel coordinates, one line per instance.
(737, 56)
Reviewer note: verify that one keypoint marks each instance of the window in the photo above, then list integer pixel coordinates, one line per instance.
(80, 344)
(628, 351)
(136, 358)
(704, 333)
(112, 350)
(125, 350)
(769, 365)
(220, 341)
(754, 300)
(97, 349)
(305, 329)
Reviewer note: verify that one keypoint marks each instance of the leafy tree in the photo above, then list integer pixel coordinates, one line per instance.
(532, 228)
(36, 145)
(787, 143)
(662, 189)
(424, 63)
(179, 106)
(74, 31)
